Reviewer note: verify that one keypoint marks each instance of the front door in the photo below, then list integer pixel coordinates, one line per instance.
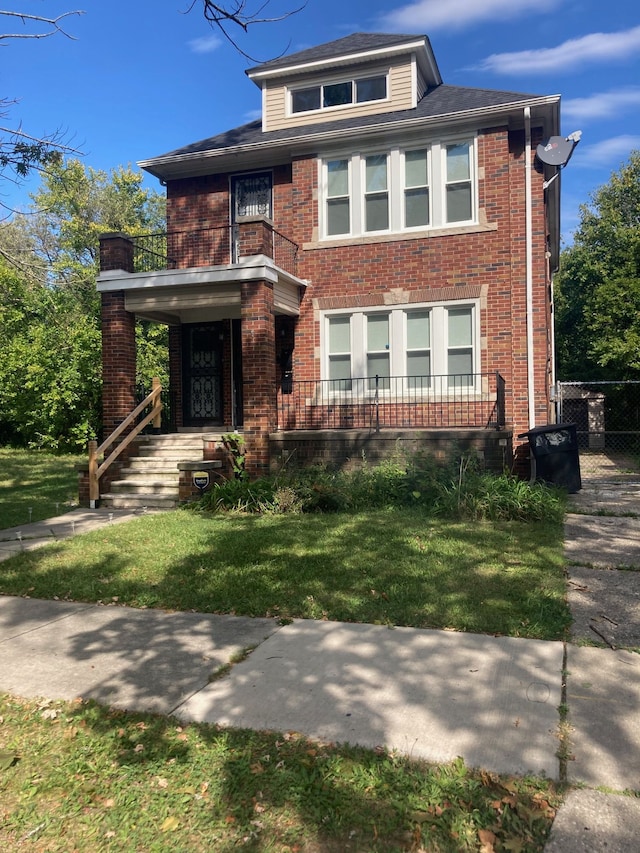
(251, 195)
(202, 374)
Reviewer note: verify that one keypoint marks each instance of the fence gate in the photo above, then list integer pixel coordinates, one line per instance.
(607, 419)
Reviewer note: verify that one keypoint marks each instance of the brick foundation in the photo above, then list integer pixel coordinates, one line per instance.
(349, 448)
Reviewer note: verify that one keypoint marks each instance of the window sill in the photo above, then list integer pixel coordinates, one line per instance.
(400, 236)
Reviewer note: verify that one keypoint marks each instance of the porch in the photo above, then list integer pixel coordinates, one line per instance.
(230, 297)
(222, 292)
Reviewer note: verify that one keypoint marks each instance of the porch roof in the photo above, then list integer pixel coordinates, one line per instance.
(201, 294)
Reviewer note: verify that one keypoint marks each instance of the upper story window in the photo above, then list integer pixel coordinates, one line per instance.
(399, 190)
(344, 93)
(459, 198)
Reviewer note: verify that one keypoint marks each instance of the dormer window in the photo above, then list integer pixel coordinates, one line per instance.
(340, 94)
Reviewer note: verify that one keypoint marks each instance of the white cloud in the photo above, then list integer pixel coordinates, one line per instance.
(602, 105)
(253, 115)
(596, 47)
(207, 44)
(430, 15)
(610, 153)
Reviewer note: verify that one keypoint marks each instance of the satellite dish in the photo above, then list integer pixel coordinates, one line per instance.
(558, 150)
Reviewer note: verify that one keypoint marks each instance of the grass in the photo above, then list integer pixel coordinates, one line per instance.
(35, 485)
(77, 776)
(392, 566)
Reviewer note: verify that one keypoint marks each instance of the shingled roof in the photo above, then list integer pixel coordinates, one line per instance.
(444, 100)
(354, 43)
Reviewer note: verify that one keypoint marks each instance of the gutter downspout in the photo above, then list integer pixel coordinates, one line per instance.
(529, 267)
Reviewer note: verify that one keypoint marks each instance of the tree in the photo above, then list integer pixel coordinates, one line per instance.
(21, 152)
(598, 286)
(49, 309)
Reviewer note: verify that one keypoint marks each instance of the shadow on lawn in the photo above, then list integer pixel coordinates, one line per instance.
(155, 660)
(262, 789)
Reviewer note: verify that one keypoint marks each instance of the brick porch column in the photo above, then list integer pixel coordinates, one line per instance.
(175, 375)
(118, 361)
(118, 337)
(258, 373)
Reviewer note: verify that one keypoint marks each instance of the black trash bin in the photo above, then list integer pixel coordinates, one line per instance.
(555, 450)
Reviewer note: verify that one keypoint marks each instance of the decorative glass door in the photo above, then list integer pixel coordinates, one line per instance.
(202, 380)
(251, 195)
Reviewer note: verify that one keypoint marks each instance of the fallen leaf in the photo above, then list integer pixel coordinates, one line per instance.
(7, 760)
(170, 824)
(487, 840)
(49, 714)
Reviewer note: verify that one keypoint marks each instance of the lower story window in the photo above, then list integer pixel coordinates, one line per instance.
(414, 343)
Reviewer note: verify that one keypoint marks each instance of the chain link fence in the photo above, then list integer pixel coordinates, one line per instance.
(607, 419)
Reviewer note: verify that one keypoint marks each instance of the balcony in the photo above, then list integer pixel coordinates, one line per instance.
(196, 275)
(210, 247)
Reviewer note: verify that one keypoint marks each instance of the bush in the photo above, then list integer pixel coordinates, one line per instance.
(456, 489)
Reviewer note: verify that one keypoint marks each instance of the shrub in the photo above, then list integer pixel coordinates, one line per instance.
(455, 489)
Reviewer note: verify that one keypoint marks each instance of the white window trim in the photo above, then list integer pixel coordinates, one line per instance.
(438, 347)
(312, 84)
(437, 185)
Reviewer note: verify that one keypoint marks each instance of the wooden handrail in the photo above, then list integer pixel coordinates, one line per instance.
(95, 469)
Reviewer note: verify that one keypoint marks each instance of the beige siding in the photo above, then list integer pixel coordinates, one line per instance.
(422, 84)
(286, 298)
(400, 91)
(178, 299)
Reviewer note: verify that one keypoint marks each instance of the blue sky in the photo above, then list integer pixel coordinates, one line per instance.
(142, 77)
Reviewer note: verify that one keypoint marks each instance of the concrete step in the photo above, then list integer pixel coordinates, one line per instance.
(170, 452)
(153, 467)
(115, 501)
(146, 486)
(162, 442)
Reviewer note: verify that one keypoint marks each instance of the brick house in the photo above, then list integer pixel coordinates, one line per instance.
(373, 258)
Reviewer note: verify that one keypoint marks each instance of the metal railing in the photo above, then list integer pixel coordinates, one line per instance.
(474, 400)
(202, 248)
(150, 253)
(285, 252)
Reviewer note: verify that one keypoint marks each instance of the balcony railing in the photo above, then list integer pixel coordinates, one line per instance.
(206, 247)
(474, 400)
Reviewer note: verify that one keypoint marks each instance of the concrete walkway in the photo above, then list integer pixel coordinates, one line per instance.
(432, 694)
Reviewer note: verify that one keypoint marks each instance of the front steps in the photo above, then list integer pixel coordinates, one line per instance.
(150, 479)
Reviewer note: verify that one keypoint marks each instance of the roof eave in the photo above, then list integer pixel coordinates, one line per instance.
(419, 44)
(173, 166)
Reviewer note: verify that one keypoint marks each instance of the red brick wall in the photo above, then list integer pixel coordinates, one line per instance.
(259, 373)
(461, 265)
(116, 252)
(175, 373)
(118, 361)
(488, 263)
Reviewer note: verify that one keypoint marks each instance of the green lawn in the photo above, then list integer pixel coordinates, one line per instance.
(35, 485)
(80, 777)
(393, 567)
(77, 776)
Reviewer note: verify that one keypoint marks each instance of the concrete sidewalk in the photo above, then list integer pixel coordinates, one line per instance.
(26, 537)
(432, 694)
